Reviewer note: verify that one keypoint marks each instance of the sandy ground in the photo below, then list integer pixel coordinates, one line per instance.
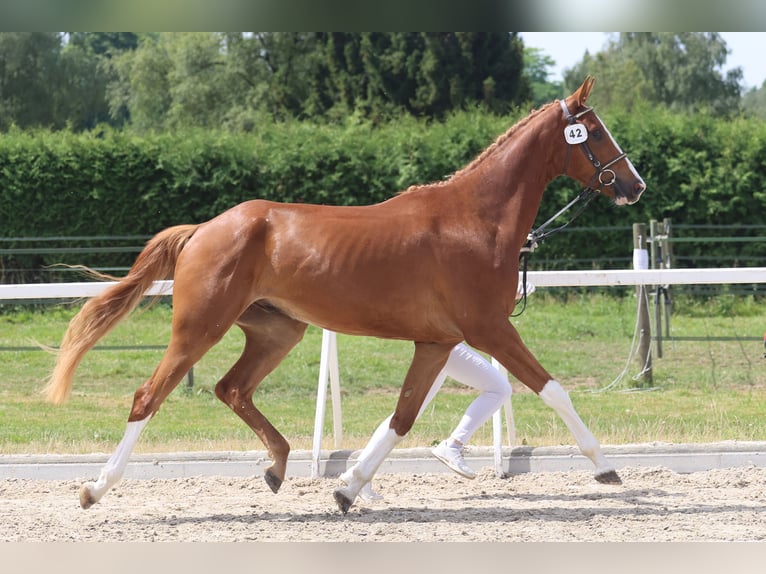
(652, 505)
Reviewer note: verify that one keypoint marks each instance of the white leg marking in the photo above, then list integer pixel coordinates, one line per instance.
(558, 399)
(380, 446)
(112, 471)
(383, 427)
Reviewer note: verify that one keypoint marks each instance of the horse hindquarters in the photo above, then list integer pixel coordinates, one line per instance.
(203, 311)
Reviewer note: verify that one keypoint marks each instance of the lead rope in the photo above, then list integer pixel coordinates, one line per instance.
(537, 236)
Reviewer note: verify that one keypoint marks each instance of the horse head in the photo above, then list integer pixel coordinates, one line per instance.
(599, 164)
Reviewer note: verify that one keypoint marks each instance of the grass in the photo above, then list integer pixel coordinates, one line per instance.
(702, 391)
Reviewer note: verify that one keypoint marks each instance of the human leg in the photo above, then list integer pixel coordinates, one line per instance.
(470, 368)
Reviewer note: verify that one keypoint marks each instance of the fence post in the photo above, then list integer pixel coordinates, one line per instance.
(641, 261)
(667, 263)
(190, 380)
(656, 242)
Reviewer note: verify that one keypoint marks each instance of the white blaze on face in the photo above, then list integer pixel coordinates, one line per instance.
(620, 200)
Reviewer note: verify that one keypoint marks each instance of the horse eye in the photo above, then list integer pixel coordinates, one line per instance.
(597, 134)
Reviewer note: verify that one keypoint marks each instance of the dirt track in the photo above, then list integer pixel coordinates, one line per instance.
(653, 504)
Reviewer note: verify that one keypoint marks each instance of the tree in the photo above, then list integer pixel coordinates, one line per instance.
(682, 71)
(465, 68)
(424, 74)
(754, 102)
(200, 89)
(53, 80)
(80, 101)
(29, 76)
(230, 79)
(537, 66)
(104, 44)
(211, 79)
(284, 66)
(140, 90)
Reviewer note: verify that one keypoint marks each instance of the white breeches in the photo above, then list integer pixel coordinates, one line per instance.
(468, 367)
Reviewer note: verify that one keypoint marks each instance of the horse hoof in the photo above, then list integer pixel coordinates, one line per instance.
(273, 481)
(343, 501)
(609, 477)
(86, 498)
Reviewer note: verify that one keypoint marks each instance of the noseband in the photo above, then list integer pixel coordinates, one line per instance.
(601, 170)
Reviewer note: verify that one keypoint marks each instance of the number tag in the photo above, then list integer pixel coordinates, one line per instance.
(576, 134)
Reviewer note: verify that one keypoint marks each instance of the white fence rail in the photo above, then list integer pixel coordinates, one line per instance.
(587, 278)
(328, 370)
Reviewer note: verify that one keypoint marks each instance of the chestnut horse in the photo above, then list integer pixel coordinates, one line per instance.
(436, 265)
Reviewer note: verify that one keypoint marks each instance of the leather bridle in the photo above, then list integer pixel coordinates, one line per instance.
(601, 170)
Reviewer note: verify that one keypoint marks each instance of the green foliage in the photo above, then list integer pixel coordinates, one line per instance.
(174, 80)
(679, 70)
(26, 59)
(754, 102)
(46, 83)
(699, 169)
(536, 65)
(235, 80)
(104, 43)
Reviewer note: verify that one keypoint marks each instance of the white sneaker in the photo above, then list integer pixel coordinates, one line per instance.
(368, 494)
(452, 456)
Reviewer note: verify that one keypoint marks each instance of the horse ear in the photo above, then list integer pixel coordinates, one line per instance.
(582, 93)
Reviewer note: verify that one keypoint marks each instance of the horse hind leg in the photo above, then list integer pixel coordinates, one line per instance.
(185, 348)
(112, 471)
(146, 403)
(269, 337)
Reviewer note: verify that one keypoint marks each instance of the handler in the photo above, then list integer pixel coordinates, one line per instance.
(469, 367)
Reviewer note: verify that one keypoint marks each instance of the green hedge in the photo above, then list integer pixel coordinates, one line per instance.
(699, 169)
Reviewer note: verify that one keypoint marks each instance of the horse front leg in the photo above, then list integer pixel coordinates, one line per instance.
(505, 344)
(428, 361)
(558, 399)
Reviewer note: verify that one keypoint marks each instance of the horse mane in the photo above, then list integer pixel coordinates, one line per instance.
(490, 150)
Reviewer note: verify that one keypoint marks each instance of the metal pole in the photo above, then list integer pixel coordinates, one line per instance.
(656, 249)
(667, 263)
(640, 258)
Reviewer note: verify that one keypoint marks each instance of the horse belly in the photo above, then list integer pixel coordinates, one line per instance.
(369, 312)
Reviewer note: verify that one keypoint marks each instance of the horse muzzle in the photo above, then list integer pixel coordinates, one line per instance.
(628, 193)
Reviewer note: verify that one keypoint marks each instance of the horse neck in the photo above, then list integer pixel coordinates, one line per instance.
(509, 182)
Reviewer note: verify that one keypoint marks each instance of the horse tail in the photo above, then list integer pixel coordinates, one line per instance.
(102, 313)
